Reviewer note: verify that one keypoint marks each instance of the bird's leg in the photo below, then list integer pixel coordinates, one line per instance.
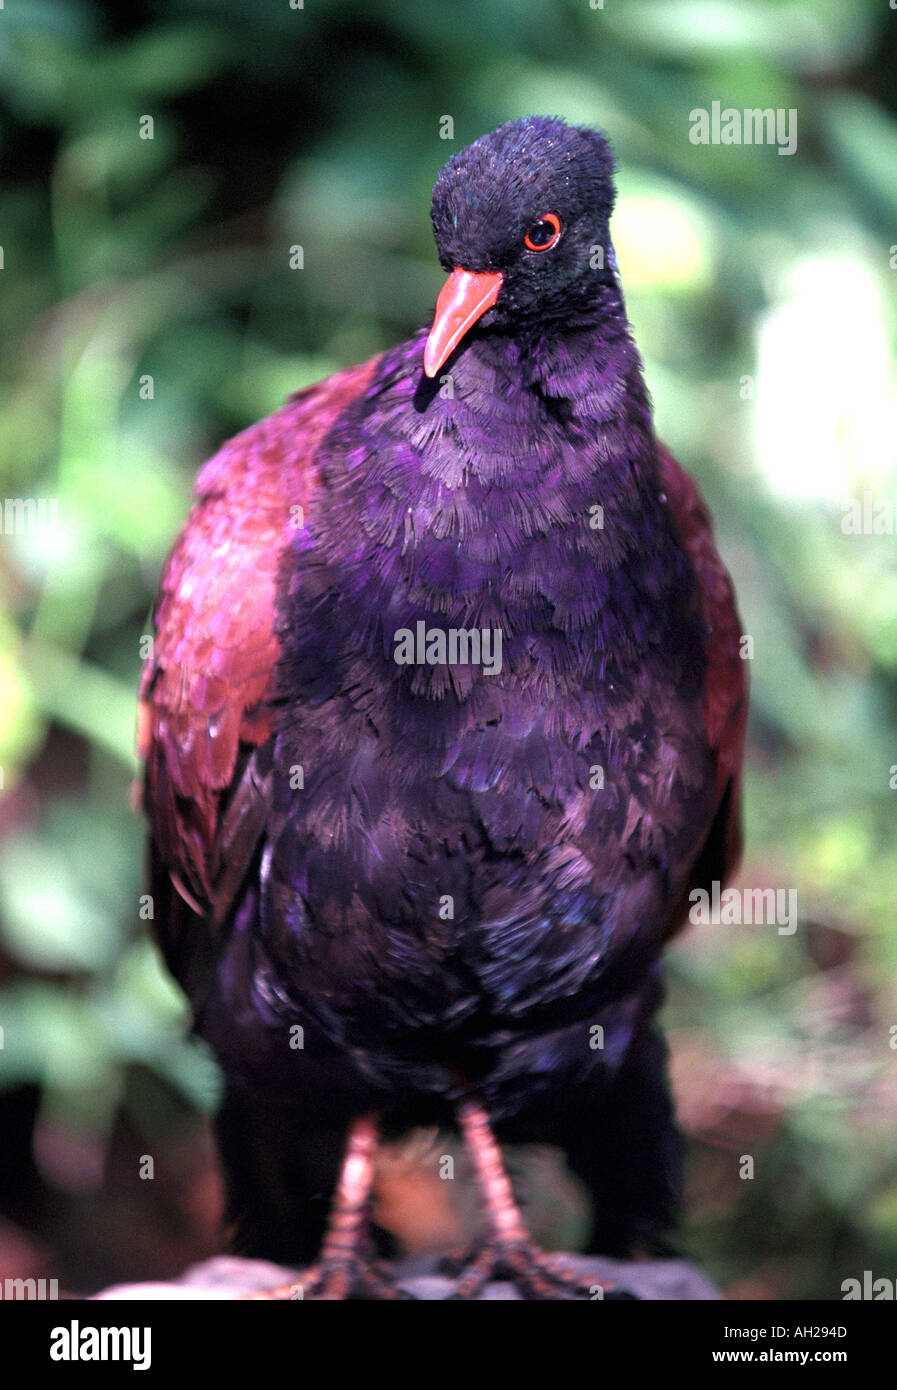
(344, 1268)
(508, 1251)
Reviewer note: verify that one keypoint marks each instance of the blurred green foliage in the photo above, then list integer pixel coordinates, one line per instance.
(761, 288)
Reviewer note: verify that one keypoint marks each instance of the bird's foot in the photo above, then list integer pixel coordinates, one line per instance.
(344, 1278)
(508, 1252)
(345, 1269)
(534, 1272)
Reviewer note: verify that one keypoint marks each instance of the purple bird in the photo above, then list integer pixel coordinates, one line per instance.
(443, 723)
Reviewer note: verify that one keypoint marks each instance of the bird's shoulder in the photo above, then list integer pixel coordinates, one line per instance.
(208, 678)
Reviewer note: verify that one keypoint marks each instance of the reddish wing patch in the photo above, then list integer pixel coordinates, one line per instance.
(205, 690)
(726, 690)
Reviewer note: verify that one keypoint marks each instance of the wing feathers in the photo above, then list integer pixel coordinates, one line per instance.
(204, 690)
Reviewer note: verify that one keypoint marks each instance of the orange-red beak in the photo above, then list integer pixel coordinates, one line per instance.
(465, 297)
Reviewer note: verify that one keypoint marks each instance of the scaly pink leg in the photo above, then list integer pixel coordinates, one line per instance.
(343, 1269)
(508, 1251)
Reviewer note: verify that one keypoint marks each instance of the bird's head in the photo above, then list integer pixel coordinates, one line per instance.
(521, 223)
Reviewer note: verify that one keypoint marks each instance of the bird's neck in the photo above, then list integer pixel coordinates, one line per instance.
(517, 492)
(545, 433)
(587, 358)
(519, 399)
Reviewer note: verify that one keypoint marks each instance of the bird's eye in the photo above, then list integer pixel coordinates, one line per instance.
(543, 234)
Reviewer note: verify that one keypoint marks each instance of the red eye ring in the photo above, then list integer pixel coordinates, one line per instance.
(554, 222)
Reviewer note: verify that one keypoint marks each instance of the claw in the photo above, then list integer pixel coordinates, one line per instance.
(536, 1274)
(336, 1280)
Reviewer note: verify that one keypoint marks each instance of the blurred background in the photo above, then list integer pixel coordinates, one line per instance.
(149, 310)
